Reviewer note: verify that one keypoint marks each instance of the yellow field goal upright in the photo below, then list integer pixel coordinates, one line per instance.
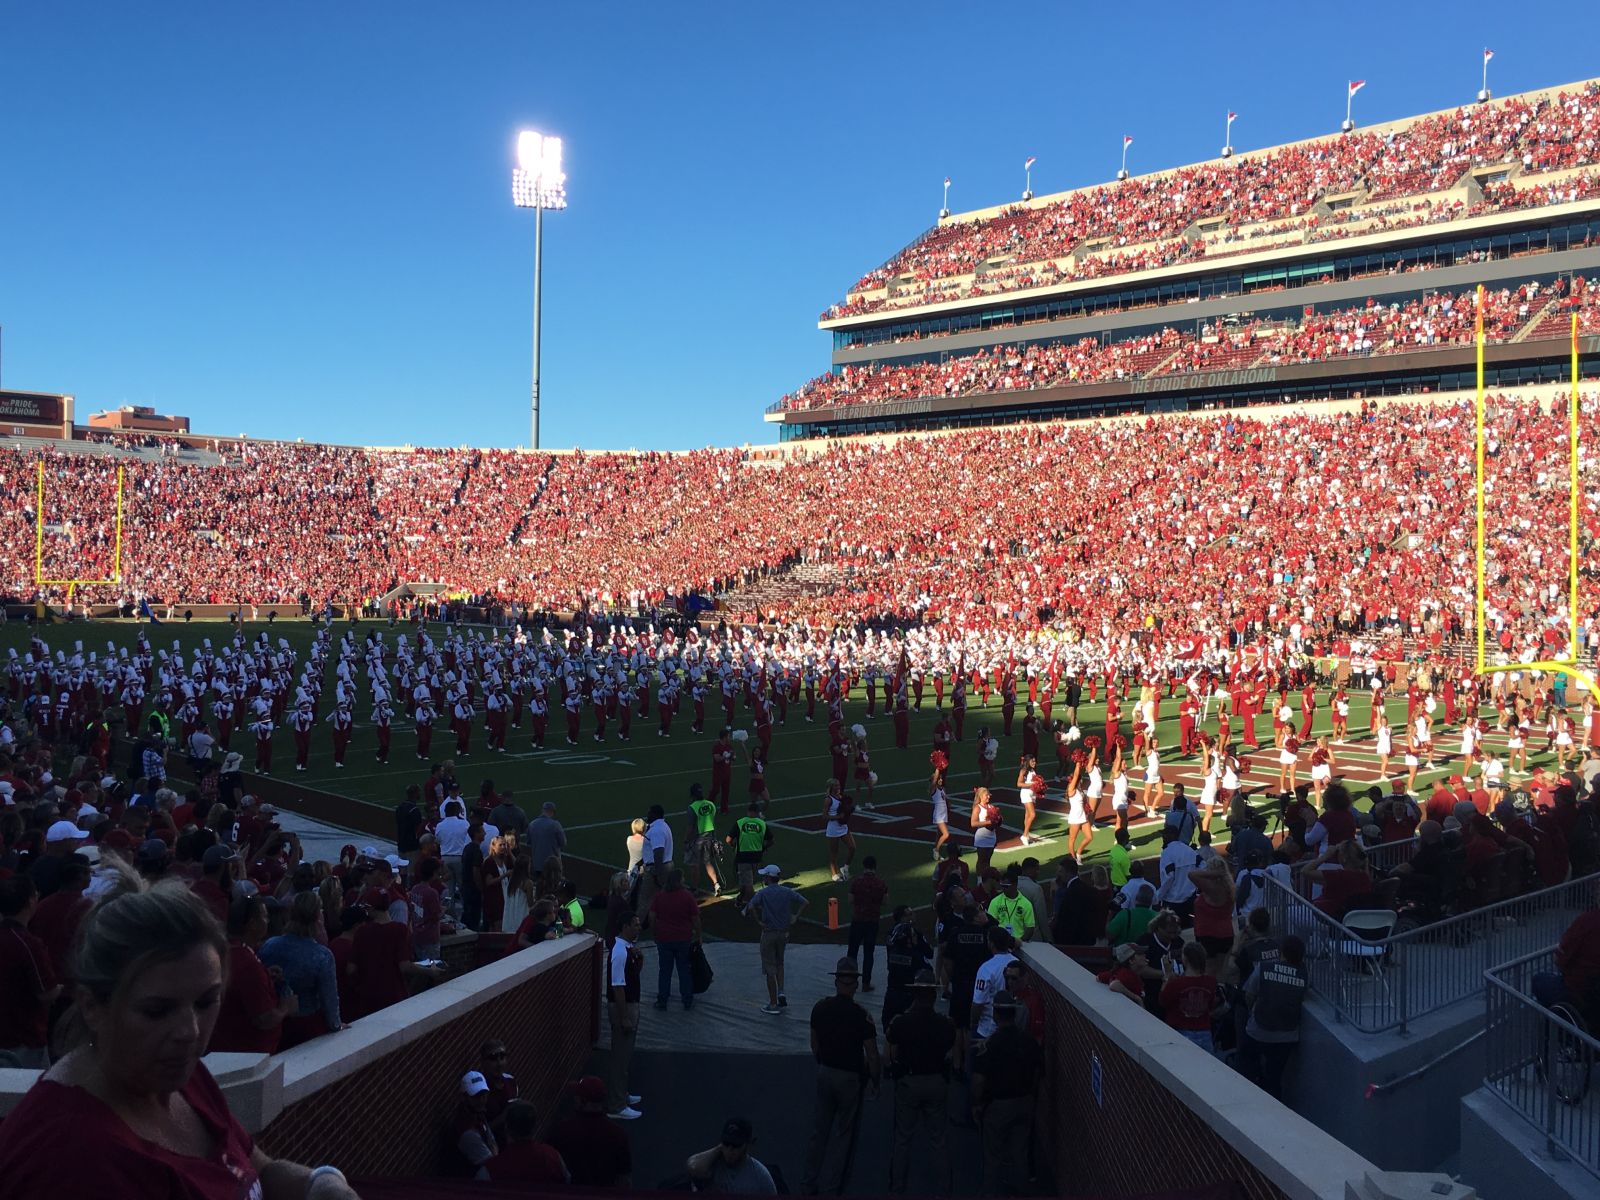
(1569, 666)
(38, 545)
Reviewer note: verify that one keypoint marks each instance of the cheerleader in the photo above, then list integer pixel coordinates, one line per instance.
(1383, 744)
(1079, 832)
(1288, 761)
(836, 811)
(1282, 722)
(940, 800)
(1232, 764)
(1422, 735)
(1096, 782)
(1322, 764)
(863, 769)
(1153, 792)
(1413, 761)
(1030, 790)
(1471, 735)
(985, 822)
(1211, 770)
(1565, 739)
(1516, 750)
(1341, 716)
(1493, 777)
(1119, 788)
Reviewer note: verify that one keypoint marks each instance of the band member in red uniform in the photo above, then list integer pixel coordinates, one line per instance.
(1187, 710)
(300, 722)
(262, 728)
(382, 717)
(1308, 710)
(423, 719)
(538, 719)
(342, 722)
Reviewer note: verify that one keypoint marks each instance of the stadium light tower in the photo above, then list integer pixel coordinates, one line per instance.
(538, 182)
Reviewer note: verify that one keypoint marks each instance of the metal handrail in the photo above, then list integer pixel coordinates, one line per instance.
(1532, 1056)
(1381, 984)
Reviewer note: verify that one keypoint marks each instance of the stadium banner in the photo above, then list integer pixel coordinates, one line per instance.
(36, 408)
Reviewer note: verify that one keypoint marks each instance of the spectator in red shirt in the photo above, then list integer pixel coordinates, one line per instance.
(867, 894)
(1125, 976)
(149, 968)
(427, 910)
(1341, 871)
(523, 1159)
(1190, 1000)
(594, 1147)
(675, 916)
(55, 921)
(381, 963)
(28, 981)
(250, 1018)
(470, 1134)
(215, 885)
(1577, 974)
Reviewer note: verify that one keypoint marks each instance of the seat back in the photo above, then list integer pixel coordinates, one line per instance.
(1371, 924)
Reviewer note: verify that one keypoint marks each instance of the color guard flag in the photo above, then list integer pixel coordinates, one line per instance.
(1028, 165)
(1356, 85)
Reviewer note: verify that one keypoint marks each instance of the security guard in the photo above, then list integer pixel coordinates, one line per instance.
(750, 838)
(920, 1044)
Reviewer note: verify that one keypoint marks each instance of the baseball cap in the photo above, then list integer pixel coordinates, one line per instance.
(591, 1089)
(737, 1131)
(64, 831)
(215, 856)
(770, 869)
(1125, 952)
(153, 850)
(474, 1084)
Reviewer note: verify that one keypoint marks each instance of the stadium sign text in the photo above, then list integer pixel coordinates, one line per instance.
(29, 407)
(897, 408)
(1210, 379)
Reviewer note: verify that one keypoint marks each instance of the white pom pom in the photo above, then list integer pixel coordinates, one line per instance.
(741, 735)
(872, 777)
(859, 730)
(1074, 734)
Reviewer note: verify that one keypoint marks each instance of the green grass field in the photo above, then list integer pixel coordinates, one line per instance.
(600, 788)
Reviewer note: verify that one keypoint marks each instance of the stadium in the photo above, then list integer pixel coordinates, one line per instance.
(1228, 527)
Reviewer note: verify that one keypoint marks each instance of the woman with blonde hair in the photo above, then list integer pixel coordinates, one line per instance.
(985, 820)
(519, 893)
(492, 872)
(131, 1110)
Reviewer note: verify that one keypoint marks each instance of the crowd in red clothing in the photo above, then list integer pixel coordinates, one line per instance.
(1189, 521)
(1136, 224)
(1435, 319)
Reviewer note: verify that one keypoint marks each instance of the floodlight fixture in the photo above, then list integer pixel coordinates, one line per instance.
(538, 180)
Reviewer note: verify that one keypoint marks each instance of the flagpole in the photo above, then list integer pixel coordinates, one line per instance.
(1027, 182)
(1483, 95)
(1349, 95)
(944, 209)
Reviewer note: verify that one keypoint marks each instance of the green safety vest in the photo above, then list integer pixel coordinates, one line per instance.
(705, 816)
(752, 835)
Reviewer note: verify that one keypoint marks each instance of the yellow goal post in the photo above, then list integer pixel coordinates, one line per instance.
(38, 544)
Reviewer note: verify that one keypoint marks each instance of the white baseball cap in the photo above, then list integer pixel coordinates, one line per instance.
(64, 831)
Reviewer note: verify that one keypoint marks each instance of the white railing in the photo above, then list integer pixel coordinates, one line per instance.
(1387, 983)
(1540, 1064)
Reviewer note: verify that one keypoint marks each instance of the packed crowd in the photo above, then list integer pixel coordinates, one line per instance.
(1184, 525)
(1435, 319)
(1136, 224)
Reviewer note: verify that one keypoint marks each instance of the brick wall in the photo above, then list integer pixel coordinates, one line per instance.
(388, 1116)
(1141, 1138)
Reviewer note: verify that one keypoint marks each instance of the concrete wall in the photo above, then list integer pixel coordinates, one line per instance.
(1507, 1158)
(1411, 1126)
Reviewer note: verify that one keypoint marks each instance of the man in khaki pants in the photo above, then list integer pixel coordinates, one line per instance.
(623, 991)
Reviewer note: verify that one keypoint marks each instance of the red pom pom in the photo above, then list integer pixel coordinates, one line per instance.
(1079, 758)
(939, 759)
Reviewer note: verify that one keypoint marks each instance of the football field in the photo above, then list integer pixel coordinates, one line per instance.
(600, 787)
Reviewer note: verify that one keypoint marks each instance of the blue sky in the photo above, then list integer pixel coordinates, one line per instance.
(294, 220)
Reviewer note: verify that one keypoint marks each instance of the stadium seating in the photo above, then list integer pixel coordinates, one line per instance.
(1142, 223)
(1188, 523)
(1433, 320)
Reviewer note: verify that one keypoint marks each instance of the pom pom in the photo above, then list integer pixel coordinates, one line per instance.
(1079, 757)
(939, 759)
(741, 735)
(1074, 734)
(872, 777)
(860, 731)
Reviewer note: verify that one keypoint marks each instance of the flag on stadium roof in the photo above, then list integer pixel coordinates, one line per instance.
(1356, 85)
(1487, 54)
(947, 181)
(1030, 162)
(1127, 139)
(1233, 116)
